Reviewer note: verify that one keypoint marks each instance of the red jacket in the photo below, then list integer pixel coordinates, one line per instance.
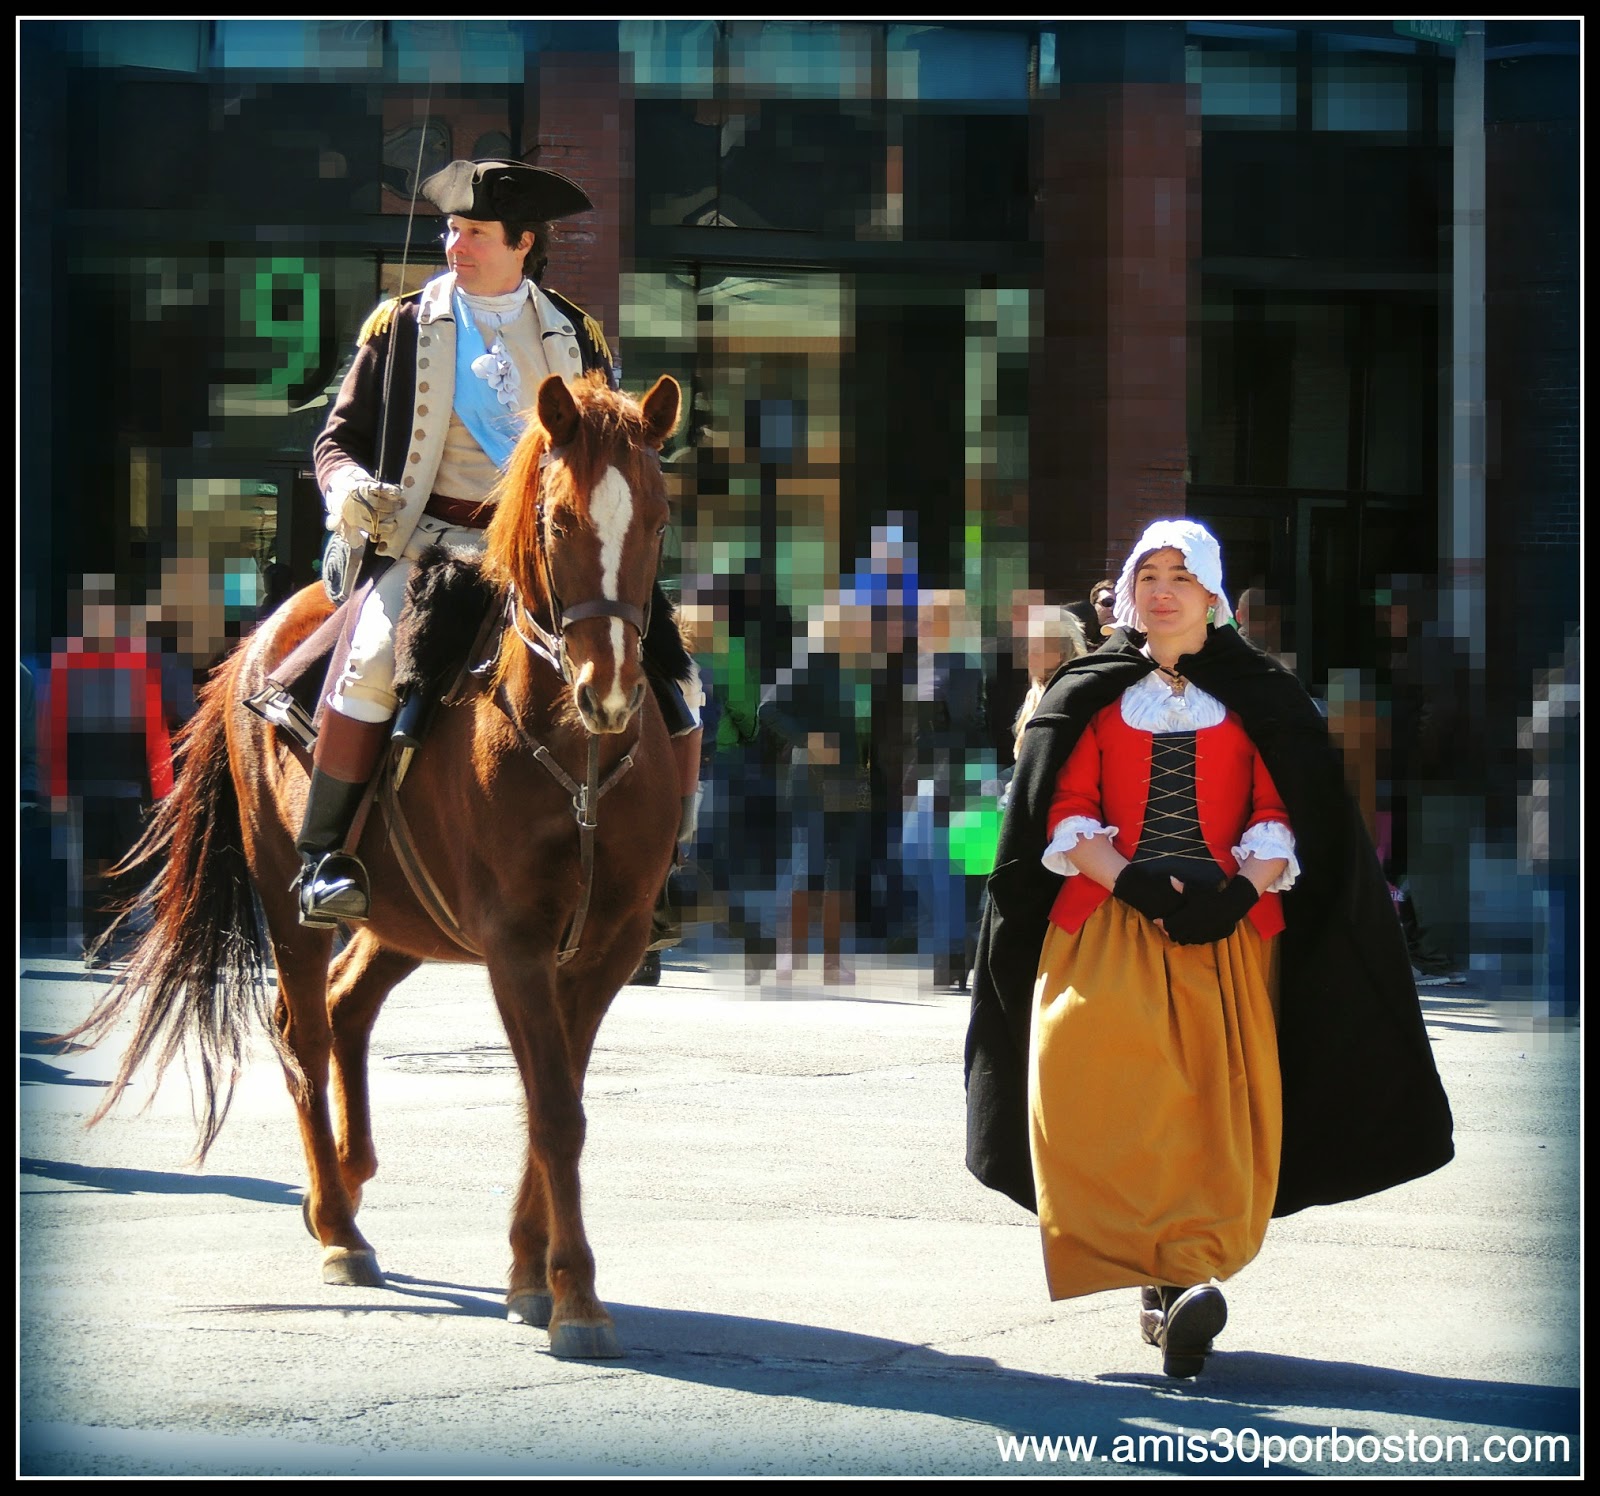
(143, 670)
(1107, 777)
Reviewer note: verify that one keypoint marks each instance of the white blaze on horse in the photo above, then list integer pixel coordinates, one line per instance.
(557, 905)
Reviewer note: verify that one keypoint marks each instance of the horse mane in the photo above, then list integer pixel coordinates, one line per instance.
(607, 419)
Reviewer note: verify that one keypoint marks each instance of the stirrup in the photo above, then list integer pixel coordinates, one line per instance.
(333, 891)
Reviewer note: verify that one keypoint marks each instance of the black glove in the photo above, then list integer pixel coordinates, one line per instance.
(1140, 887)
(1209, 914)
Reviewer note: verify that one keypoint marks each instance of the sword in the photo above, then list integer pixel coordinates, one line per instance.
(342, 557)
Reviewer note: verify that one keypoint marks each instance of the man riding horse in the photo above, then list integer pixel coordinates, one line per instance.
(420, 432)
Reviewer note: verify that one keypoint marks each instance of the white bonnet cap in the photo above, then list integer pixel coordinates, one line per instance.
(1201, 554)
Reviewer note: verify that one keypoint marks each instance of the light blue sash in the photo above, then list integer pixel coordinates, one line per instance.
(494, 426)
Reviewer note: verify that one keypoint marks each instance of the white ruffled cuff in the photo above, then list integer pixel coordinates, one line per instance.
(1265, 841)
(1068, 834)
(339, 485)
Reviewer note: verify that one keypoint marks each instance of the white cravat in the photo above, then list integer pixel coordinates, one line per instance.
(496, 367)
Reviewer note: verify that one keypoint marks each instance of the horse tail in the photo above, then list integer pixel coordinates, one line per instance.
(199, 958)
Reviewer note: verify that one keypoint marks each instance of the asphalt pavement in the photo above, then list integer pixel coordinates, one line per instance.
(805, 1279)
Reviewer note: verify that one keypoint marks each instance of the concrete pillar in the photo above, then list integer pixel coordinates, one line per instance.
(1461, 515)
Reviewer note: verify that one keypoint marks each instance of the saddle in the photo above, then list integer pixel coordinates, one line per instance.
(447, 635)
(446, 641)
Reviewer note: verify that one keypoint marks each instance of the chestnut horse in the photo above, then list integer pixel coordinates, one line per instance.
(575, 539)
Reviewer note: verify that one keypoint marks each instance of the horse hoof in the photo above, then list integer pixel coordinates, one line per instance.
(584, 1342)
(351, 1268)
(529, 1309)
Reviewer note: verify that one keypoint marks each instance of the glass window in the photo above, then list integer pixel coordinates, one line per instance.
(671, 57)
(1319, 402)
(1049, 72)
(1350, 93)
(1402, 402)
(944, 62)
(966, 176)
(1214, 419)
(800, 59)
(772, 164)
(1244, 85)
(457, 51)
(170, 46)
(344, 46)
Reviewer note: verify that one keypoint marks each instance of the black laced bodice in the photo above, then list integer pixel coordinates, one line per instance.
(1171, 839)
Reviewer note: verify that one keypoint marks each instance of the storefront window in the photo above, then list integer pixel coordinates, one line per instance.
(1252, 88)
(801, 59)
(943, 62)
(671, 57)
(1357, 93)
(299, 46)
(456, 51)
(166, 46)
(759, 358)
(773, 164)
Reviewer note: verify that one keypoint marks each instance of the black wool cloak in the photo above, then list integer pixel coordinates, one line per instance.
(1363, 1108)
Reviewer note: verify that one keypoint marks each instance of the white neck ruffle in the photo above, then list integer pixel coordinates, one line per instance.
(496, 367)
(1151, 705)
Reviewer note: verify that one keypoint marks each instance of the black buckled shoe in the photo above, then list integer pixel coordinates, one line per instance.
(1151, 1314)
(333, 890)
(1191, 1319)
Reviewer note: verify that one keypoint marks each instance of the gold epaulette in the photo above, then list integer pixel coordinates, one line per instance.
(593, 328)
(381, 316)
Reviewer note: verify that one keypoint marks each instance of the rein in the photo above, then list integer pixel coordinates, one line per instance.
(585, 805)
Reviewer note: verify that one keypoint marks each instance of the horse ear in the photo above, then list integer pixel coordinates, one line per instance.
(558, 411)
(660, 408)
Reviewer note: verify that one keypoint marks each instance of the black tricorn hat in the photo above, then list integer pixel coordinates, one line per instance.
(510, 191)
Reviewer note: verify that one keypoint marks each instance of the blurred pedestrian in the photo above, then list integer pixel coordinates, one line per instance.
(105, 749)
(820, 709)
(949, 753)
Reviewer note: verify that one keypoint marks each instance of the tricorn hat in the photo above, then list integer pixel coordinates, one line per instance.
(510, 191)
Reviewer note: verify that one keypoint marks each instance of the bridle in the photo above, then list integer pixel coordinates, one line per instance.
(550, 644)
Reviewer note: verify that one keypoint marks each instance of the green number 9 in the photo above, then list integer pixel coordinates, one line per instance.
(296, 333)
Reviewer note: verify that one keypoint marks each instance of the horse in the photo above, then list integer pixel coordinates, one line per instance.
(489, 807)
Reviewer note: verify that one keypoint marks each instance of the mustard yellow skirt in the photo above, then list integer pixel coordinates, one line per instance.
(1157, 1111)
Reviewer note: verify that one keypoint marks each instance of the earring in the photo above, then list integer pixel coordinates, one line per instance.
(1211, 615)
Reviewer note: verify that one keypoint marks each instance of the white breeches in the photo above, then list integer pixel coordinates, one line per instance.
(365, 691)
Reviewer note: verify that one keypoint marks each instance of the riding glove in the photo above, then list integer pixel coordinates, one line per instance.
(372, 507)
(1210, 914)
(1151, 893)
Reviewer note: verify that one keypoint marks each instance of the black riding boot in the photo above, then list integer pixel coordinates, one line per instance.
(666, 923)
(333, 883)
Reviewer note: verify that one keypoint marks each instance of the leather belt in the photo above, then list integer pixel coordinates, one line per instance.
(470, 514)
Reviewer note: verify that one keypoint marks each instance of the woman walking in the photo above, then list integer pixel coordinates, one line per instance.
(1193, 1009)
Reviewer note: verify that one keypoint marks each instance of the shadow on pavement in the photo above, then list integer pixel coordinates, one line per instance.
(158, 1182)
(1239, 1391)
(479, 1303)
(32, 1071)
